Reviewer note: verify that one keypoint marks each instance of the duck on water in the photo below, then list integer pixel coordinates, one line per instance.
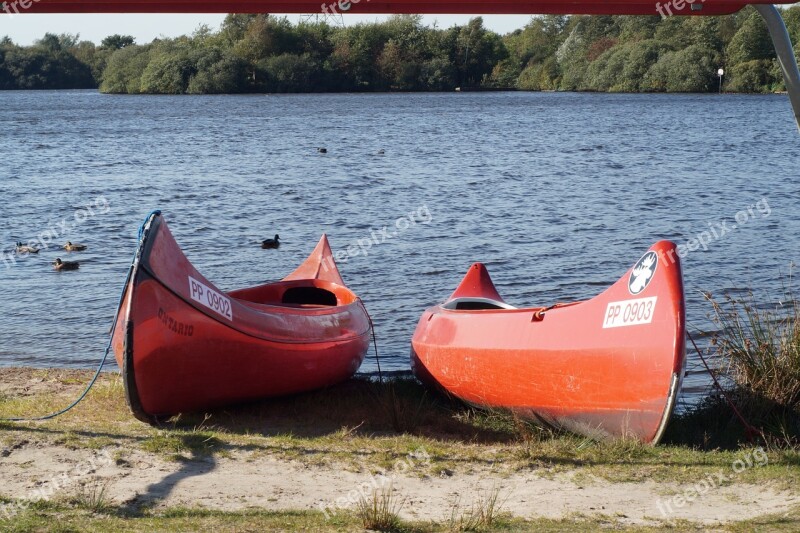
(271, 243)
(65, 265)
(75, 247)
(22, 249)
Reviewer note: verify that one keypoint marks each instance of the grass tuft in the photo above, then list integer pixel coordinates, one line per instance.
(379, 512)
(481, 516)
(91, 496)
(759, 346)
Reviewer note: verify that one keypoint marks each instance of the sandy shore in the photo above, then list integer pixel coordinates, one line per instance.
(47, 460)
(247, 480)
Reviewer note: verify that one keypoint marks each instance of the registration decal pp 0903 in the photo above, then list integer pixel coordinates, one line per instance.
(208, 297)
(630, 312)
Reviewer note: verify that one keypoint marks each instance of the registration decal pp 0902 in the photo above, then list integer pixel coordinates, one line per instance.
(208, 297)
(630, 312)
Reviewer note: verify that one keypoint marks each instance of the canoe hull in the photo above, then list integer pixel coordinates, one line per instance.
(583, 367)
(180, 355)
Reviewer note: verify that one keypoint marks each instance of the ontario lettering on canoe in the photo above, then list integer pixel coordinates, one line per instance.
(173, 325)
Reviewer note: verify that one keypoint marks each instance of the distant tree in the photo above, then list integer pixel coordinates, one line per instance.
(792, 18)
(438, 74)
(50, 42)
(48, 64)
(290, 73)
(356, 49)
(117, 42)
(477, 51)
(622, 68)
(87, 54)
(538, 40)
(265, 53)
(124, 71)
(675, 32)
(540, 76)
(750, 55)
(218, 72)
(689, 70)
(235, 26)
(638, 28)
(265, 36)
(168, 71)
(754, 76)
(751, 42)
(7, 81)
(572, 59)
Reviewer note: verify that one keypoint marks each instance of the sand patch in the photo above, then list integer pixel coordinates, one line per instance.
(245, 480)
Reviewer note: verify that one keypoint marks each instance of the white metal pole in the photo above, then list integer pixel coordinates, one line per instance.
(783, 48)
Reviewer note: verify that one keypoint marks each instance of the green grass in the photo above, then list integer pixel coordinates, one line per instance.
(348, 426)
(181, 445)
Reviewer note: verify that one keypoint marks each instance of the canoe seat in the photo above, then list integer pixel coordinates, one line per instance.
(474, 304)
(309, 296)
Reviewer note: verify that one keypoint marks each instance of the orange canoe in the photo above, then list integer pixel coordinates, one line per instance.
(608, 367)
(184, 345)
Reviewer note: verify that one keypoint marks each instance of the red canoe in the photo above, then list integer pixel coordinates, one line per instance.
(607, 367)
(184, 345)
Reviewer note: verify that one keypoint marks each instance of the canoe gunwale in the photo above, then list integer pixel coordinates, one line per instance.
(147, 244)
(509, 310)
(293, 310)
(128, 371)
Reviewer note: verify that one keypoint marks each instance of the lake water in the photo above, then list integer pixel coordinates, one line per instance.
(557, 193)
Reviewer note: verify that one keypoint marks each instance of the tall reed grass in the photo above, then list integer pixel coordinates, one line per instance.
(758, 345)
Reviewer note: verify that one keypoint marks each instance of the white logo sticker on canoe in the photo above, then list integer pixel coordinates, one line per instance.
(630, 312)
(208, 297)
(643, 272)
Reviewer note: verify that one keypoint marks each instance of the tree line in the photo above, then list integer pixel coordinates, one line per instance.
(262, 53)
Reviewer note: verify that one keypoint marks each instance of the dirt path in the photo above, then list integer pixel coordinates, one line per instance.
(245, 480)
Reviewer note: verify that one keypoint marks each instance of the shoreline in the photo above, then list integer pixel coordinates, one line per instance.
(454, 91)
(318, 454)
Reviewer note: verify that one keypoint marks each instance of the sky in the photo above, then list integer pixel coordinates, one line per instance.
(25, 29)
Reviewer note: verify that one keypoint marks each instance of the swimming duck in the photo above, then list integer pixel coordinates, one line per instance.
(322, 150)
(271, 243)
(381, 152)
(22, 249)
(74, 247)
(66, 265)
